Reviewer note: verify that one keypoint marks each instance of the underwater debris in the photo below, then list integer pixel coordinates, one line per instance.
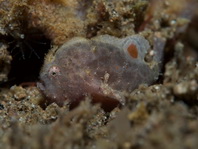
(5, 61)
(59, 20)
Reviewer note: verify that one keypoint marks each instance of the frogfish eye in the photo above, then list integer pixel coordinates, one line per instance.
(54, 71)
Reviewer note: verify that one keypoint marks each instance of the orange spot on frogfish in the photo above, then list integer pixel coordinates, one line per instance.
(133, 51)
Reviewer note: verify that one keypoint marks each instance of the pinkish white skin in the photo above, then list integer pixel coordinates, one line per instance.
(103, 67)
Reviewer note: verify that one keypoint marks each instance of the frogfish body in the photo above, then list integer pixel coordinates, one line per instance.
(102, 68)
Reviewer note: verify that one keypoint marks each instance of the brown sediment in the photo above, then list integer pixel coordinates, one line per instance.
(64, 24)
(5, 61)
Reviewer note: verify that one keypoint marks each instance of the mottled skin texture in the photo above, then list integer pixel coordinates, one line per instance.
(102, 67)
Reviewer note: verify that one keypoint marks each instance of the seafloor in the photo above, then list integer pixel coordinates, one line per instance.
(161, 116)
